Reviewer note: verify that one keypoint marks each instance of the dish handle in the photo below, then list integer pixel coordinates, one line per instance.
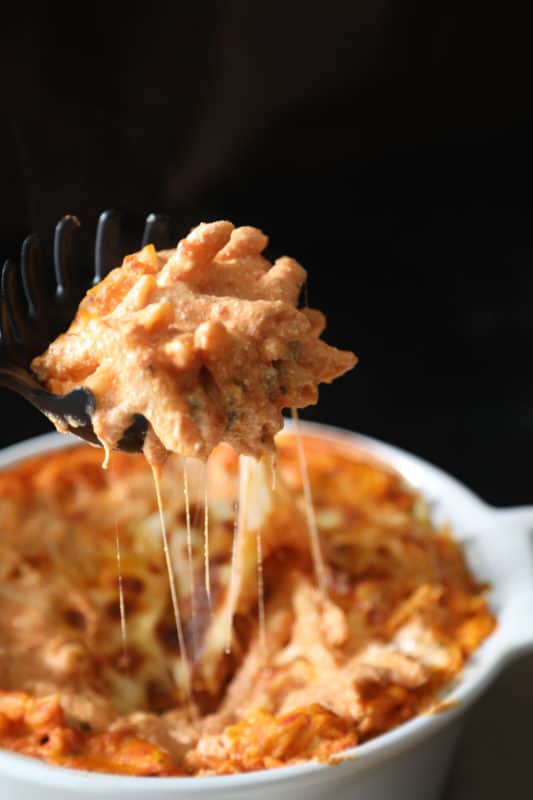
(514, 528)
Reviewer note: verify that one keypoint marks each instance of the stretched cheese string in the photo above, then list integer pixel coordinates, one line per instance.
(207, 573)
(312, 527)
(107, 451)
(121, 604)
(156, 472)
(260, 593)
(251, 473)
(238, 531)
(190, 564)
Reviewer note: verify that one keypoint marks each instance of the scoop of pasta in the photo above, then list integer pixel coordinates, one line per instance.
(205, 341)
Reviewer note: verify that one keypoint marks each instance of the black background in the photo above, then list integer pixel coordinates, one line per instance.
(387, 146)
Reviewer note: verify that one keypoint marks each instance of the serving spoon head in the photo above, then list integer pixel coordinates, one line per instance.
(37, 303)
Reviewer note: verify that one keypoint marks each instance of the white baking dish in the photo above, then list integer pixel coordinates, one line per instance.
(410, 762)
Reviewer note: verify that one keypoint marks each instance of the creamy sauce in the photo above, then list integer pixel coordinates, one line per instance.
(156, 472)
(314, 536)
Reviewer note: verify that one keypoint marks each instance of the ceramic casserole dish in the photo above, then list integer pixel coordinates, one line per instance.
(410, 761)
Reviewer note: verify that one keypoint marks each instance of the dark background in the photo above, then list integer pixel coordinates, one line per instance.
(387, 146)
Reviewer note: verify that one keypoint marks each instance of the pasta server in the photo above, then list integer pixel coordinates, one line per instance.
(38, 301)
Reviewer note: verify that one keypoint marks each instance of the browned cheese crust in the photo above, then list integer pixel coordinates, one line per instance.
(402, 616)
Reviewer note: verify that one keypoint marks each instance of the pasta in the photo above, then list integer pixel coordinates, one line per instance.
(205, 341)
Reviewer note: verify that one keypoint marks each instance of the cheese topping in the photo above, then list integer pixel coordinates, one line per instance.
(401, 616)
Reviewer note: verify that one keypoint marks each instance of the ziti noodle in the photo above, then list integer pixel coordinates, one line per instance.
(402, 616)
